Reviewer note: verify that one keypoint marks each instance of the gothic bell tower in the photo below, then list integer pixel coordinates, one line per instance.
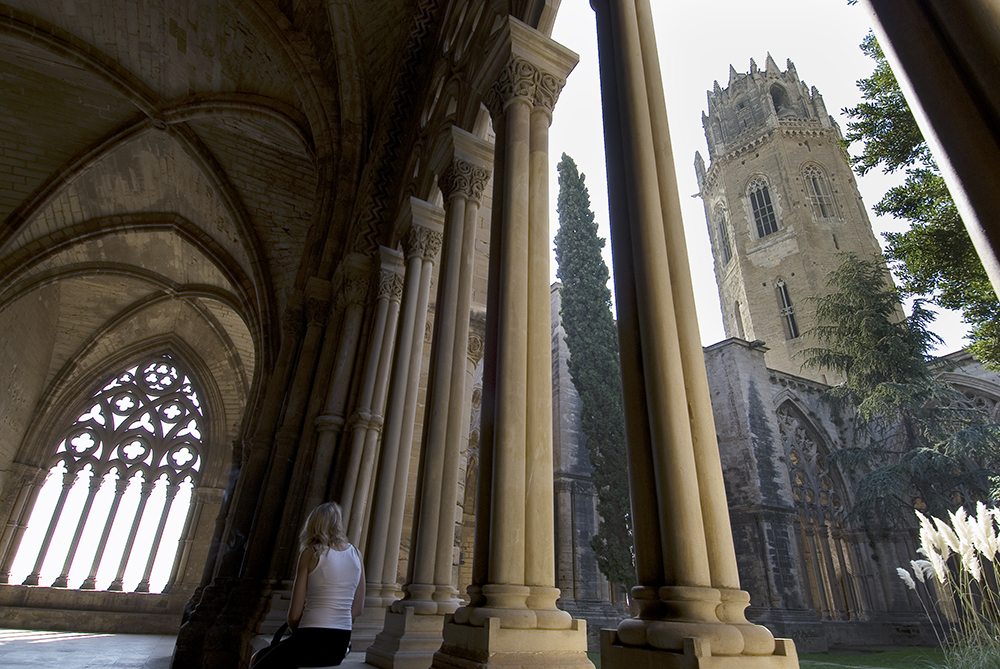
(781, 203)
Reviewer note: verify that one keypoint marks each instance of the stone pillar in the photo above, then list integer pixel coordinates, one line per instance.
(366, 422)
(329, 424)
(688, 601)
(30, 482)
(412, 631)
(422, 225)
(512, 618)
(946, 56)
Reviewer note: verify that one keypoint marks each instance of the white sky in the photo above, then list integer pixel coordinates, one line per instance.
(697, 42)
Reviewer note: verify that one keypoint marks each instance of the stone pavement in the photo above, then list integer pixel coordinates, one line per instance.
(24, 649)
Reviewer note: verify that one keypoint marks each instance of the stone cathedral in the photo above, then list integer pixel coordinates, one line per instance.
(781, 203)
(260, 254)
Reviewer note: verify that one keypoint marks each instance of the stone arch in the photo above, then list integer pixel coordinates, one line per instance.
(817, 185)
(830, 549)
(780, 101)
(185, 460)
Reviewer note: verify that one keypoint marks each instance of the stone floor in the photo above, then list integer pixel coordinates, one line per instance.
(21, 649)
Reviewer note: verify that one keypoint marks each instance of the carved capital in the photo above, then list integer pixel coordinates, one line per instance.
(423, 241)
(547, 91)
(463, 178)
(390, 285)
(291, 320)
(517, 79)
(317, 309)
(354, 291)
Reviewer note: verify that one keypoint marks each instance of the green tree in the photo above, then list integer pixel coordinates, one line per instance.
(916, 437)
(935, 258)
(594, 366)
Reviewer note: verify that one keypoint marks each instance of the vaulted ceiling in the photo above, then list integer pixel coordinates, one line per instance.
(165, 178)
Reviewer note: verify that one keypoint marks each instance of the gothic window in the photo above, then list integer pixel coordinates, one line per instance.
(112, 510)
(763, 209)
(828, 548)
(787, 311)
(738, 316)
(722, 233)
(819, 192)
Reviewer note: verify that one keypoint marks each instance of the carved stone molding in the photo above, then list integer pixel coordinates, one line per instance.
(477, 346)
(463, 178)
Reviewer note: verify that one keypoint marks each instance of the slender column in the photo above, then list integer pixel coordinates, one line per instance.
(168, 503)
(539, 548)
(329, 424)
(380, 348)
(199, 497)
(62, 580)
(144, 492)
(945, 55)
(275, 526)
(90, 582)
(512, 617)
(422, 224)
(32, 480)
(68, 478)
(463, 162)
(685, 561)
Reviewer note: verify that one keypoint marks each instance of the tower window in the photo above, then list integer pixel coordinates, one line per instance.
(787, 310)
(763, 210)
(819, 192)
(722, 231)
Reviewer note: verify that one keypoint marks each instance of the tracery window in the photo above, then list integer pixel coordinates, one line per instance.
(819, 192)
(786, 310)
(763, 209)
(119, 485)
(828, 549)
(722, 232)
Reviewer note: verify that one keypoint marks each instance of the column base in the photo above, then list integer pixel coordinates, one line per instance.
(696, 654)
(470, 647)
(407, 641)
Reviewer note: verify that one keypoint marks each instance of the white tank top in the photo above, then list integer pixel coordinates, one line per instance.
(330, 589)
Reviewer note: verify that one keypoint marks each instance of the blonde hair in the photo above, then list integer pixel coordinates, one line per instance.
(324, 527)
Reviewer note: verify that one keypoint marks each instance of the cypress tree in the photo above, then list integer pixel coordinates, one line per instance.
(595, 369)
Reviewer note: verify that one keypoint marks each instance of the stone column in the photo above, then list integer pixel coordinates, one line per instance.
(355, 278)
(946, 56)
(412, 631)
(366, 422)
(422, 224)
(31, 480)
(688, 599)
(512, 618)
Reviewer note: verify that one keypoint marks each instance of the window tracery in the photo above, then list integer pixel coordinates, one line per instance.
(828, 548)
(121, 478)
(762, 207)
(818, 188)
(722, 233)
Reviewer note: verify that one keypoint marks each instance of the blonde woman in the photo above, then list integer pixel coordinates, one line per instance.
(329, 592)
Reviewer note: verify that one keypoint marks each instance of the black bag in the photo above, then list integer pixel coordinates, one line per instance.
(259, 655)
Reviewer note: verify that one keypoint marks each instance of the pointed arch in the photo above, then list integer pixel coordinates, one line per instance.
(120, 480)
(829, 550)
(817, 185)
